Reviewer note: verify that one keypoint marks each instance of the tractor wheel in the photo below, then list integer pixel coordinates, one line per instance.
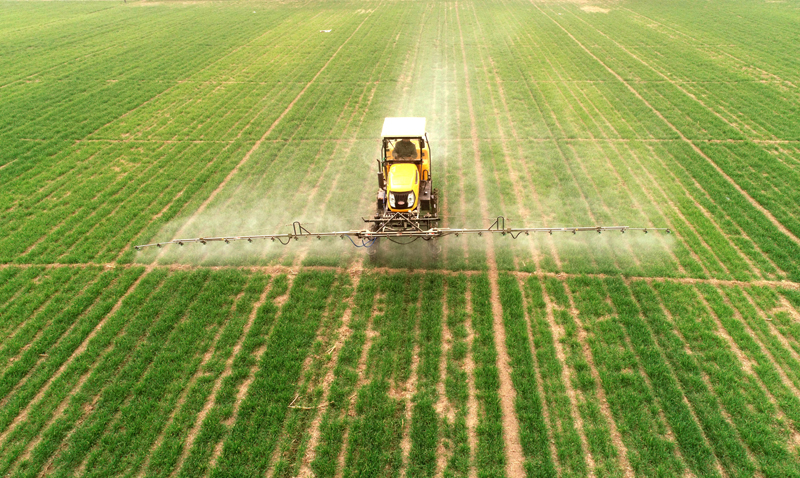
(434, 203)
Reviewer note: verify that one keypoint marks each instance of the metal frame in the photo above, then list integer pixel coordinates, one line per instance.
(497, 227)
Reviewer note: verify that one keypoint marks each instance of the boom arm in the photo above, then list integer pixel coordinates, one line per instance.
(365, 235)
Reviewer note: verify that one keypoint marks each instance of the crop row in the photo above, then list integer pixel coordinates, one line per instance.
(664, 376)
(350, 107)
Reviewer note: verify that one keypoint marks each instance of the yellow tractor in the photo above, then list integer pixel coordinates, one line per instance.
(407, 203)
(406, 200)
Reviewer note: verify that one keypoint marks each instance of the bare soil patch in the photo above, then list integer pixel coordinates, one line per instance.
(594, 9)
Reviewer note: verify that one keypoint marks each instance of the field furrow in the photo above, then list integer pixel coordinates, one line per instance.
(602, 355)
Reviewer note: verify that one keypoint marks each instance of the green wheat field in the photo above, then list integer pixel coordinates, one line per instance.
(619, 355)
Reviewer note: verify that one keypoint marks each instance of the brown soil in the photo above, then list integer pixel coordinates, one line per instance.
(361, 369)
(593, 9)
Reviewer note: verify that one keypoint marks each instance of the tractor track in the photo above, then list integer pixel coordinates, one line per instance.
(513, 447)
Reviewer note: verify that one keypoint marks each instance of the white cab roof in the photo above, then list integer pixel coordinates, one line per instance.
(403, 128)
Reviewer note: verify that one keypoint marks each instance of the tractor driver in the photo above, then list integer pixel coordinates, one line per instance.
(404, 149)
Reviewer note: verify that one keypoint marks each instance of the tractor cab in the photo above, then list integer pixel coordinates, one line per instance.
(404, 168)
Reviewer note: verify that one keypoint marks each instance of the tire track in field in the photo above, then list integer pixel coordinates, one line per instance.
(350, 142)
(611, 164)
(683, 138)
(513, 447)
(257, 144)
(743, 256)
(671, 81)
(706, 214)
(405, 392)
(567, 162)
(515, 179)
(558, 146)
(279, 269)
(718, 50)
(605, 409)
(361, 372)
(714, 221)
(443, 406)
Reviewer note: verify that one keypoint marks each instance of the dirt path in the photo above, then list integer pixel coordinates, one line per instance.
(443, 406)
(279, 269)
(361, 370)
(514, 455)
